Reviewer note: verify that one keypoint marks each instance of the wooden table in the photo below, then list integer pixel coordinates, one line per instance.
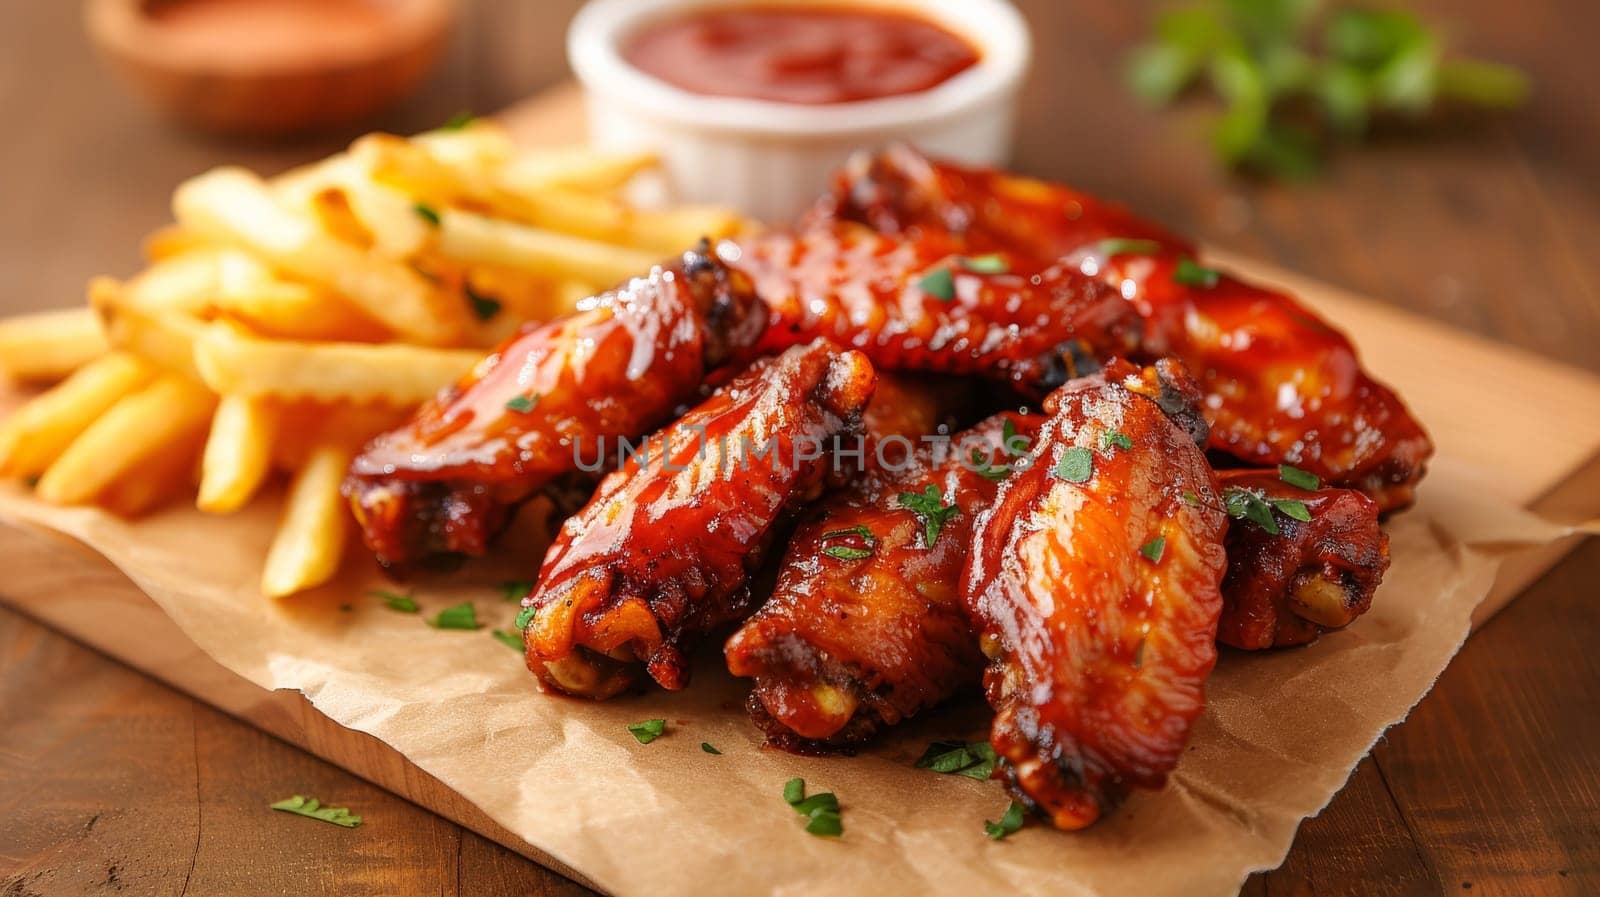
(111, 782)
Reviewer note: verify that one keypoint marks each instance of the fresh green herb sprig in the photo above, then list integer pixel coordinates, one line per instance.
(648, 730)
(973, 759)
(1010, 823)
(930, 508)
(312, 808)
(1296, 74)
(821, 810)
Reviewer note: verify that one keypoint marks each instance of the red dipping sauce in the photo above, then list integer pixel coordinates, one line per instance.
(809, 55)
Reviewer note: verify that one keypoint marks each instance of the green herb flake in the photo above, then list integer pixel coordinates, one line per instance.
(312, 808)
(458, 121)
(930, 507)
(1190, 273)
(403, 603)
(523, 404)
(973, 759)
(648, 730)
(939, 284)
(1009, 823)
(850, 552)
(428, 213)
(706, 746)
(1189, 498)
(1154, 549)
(821, 810)
(1115, 439)
(1114, 246)
(1076, 465)
(510, 639)
(1292, 508)
(1298, 478)
(986, 468)
(484, 308)
(462, 616)
(524, 617)
(994, 263)
(1246, 504)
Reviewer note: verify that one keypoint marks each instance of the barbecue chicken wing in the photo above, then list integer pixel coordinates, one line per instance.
(446, 483)
(663, 551)
(1291, 579)
(867, 625)
(920, 305)
(1281, 385)
(1094, 585)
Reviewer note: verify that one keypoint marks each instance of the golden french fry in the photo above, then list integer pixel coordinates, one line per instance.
(185, 283)
(478, 240)
(234, 206)
(311, 538)
(238, 453)
(171, 240)
(163, 337)
(33, 436)
(156, 419)
(482, 145)
(158, 480)
(49, 345)
(575, 167)
(234, 364)
(248, 291)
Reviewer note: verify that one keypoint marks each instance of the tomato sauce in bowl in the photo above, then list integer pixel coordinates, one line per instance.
(805, 55)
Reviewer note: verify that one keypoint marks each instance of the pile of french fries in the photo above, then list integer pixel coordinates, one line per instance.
(283, 322)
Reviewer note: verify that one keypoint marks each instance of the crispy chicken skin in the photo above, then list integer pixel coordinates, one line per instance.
(920, 305)
(1311, 576)
(1281, 385)
(446, 483)
(663, 552)
(860, 638)
(1100, 636)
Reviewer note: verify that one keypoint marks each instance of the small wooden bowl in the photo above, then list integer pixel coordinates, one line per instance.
(271, 67)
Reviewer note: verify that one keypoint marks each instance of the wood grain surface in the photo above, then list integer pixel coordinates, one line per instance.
(112, 782)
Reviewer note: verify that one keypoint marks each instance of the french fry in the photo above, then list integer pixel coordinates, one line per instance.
(185, 283)
(238, 453)
(251, 293)
(232, 205)
(166, 242)
(163, 337)
(575, 168)
(481, 145)
(36, 434)
(49, 345)
(477, 239)
(160, 417)
(311, 537)
(601, 218)
(159, 479)
(234, 364)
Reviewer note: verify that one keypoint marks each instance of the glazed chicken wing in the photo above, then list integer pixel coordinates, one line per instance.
(1281, 385)
(1095, 588)
(1291, 579)
(446, 483)
(867, 626)
(920, 305)
(663, 552)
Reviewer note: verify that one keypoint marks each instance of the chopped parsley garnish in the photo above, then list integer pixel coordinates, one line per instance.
(939, 284)
(993, 263)
(516, 589)
(1076, 465)
(648, 730)
(930, 507)
(1189, 498)
(523, 404)
(1248, 504)
(1294, 476)
(509, 639)
(483, 307)
(462, 616)
(458, 121)
(1009, 823)
(821, 810)
(850, 552)
(312, 808)
(1115, 438)
(706, 746)
(985, 467)
(428, 213)
(403, 603)
(1127, 246)
(973, 759)
(1154, 549)
(1193, 274)
(524, 617)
